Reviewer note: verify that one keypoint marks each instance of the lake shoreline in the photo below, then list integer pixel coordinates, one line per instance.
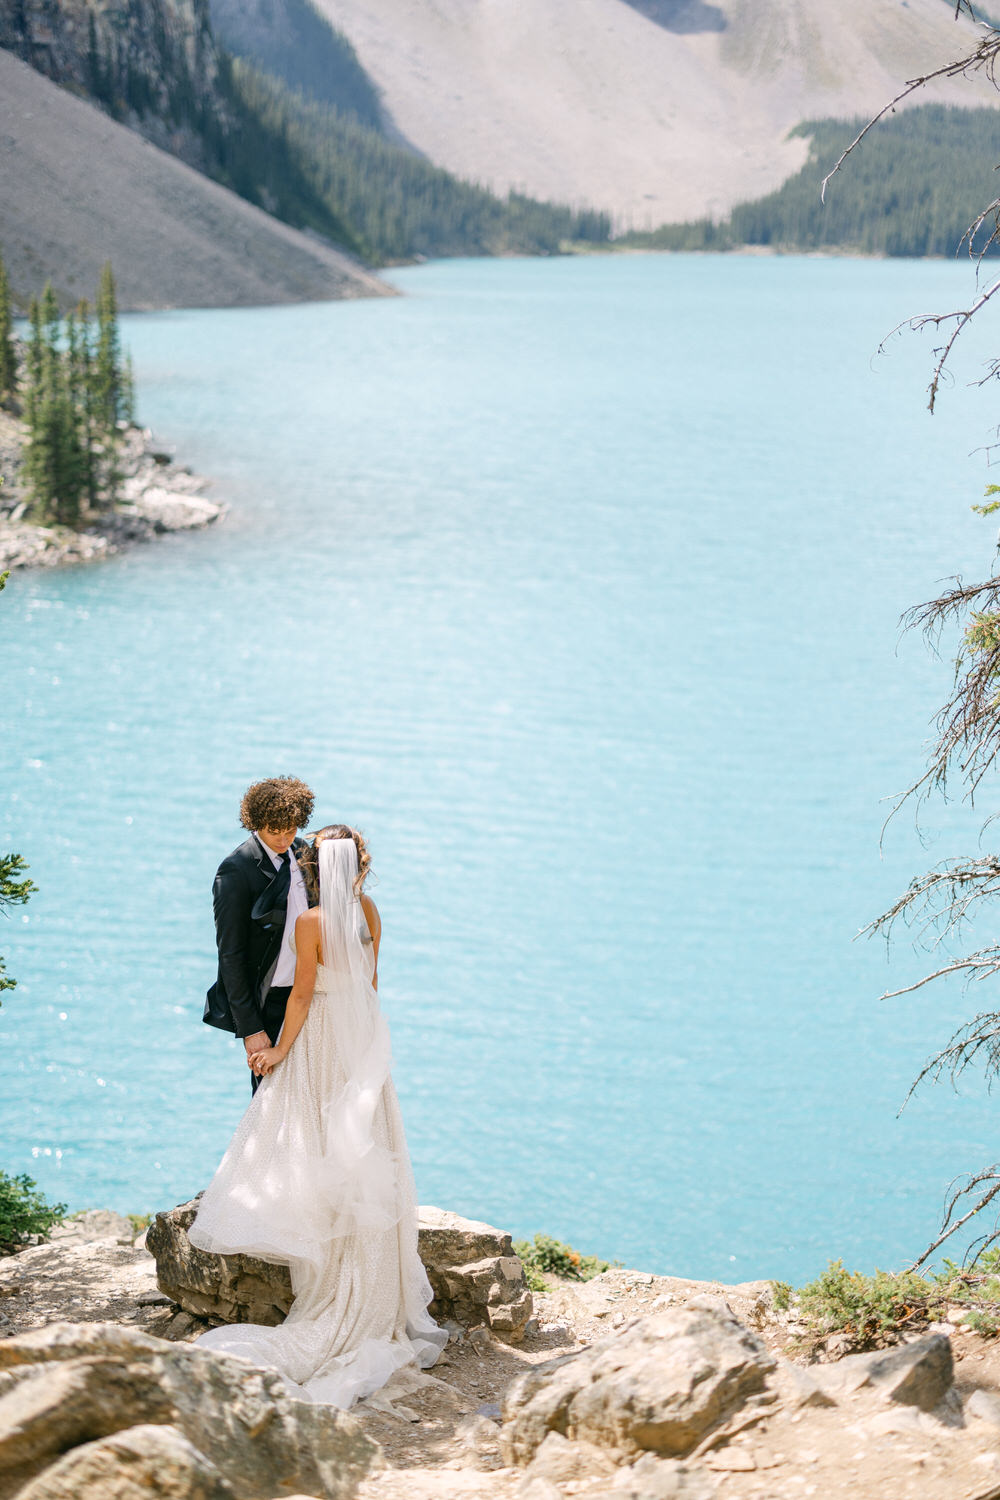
(157, 496)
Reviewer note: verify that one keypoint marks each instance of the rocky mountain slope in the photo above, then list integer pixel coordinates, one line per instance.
(656, 110)
(156, 67)
(78, 189)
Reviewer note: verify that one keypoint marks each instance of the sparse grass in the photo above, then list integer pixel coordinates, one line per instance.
(874, 1310)
(543, 1255)
(139, 1222)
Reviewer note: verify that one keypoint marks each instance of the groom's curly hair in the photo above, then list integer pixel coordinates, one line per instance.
(274, 805)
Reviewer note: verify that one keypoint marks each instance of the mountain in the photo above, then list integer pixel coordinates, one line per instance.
(156, 67)
(914, 187)
(291, 41)
(654, 110)
(77, 188)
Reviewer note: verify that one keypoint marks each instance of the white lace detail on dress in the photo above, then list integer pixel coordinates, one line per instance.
(318, 1177)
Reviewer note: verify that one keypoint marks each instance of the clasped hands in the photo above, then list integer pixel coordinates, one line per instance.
(262, 1058)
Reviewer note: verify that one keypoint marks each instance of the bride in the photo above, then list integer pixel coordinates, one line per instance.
(317, 1176)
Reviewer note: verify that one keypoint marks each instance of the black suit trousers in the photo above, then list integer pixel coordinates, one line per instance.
(273, 1010)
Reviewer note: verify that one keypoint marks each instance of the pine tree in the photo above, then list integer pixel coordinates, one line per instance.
(33, 364)
(107, 363)
(109, 403)
(54, 417)
(8, 353)
(76, 393)
(53, 461)
(37, 405)
(73, 406)
(128, 391)
(84, 377)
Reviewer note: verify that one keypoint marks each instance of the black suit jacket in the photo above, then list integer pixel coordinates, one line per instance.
(249, 925)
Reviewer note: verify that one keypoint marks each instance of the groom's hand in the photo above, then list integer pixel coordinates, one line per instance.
(255, 1043)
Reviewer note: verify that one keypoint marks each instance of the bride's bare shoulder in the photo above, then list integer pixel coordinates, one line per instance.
(307, 925)
(371, 915)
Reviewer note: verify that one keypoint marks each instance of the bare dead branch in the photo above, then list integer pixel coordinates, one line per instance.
(975, 966)
(983, 58)
(977, 1041)
(940, 902)
(991, 1175)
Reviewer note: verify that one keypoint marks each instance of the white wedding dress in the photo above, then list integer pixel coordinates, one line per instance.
(318, 1177)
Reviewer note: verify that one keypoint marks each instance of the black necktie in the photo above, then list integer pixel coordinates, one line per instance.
(271, 905)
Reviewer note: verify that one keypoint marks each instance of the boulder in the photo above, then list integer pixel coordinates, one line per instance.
(654, 1478)
(916, 1374)
(68, 1390)
(226, 1288)
(143, 1463)
(795, 1388)
(475, 1276)
(95, 1224)
(984, 1406)
(560, 1461)
(659, 1385)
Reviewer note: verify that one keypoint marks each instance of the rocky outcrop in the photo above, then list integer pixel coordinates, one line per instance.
(156, 496)
(95, 1409)
(113, 1414)
(659, 1386)
(226, 1288)
(476, 1278)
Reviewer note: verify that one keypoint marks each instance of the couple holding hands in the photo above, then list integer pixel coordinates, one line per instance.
(317, 1176)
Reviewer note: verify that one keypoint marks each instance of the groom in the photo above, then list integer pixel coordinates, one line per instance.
(259, 892)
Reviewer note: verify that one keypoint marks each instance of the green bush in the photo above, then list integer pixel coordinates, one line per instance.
(544, 1254)
(865, 1307)
(24, 1211)
(873, 1310)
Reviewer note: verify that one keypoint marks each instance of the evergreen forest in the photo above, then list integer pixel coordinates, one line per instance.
(396, 204)
(74, 391)
(316, 164)
(913, 187)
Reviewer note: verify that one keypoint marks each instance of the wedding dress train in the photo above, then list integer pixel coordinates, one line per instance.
(318, 1177)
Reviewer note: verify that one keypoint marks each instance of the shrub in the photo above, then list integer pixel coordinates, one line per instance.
(874, 1310)
(544, 1254)
(24, 1211)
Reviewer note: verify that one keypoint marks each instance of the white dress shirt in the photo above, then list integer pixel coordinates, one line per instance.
(298, 902)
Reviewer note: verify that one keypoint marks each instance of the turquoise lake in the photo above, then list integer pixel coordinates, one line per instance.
(575, 584)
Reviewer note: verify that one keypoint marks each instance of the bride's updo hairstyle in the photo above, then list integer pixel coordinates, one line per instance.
(309, 862)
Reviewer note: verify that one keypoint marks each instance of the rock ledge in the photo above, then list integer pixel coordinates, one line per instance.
(476, 1277)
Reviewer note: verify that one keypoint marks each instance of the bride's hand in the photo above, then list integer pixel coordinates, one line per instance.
(265, 1060)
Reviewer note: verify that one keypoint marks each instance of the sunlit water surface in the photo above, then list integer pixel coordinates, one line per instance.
(575, 584)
